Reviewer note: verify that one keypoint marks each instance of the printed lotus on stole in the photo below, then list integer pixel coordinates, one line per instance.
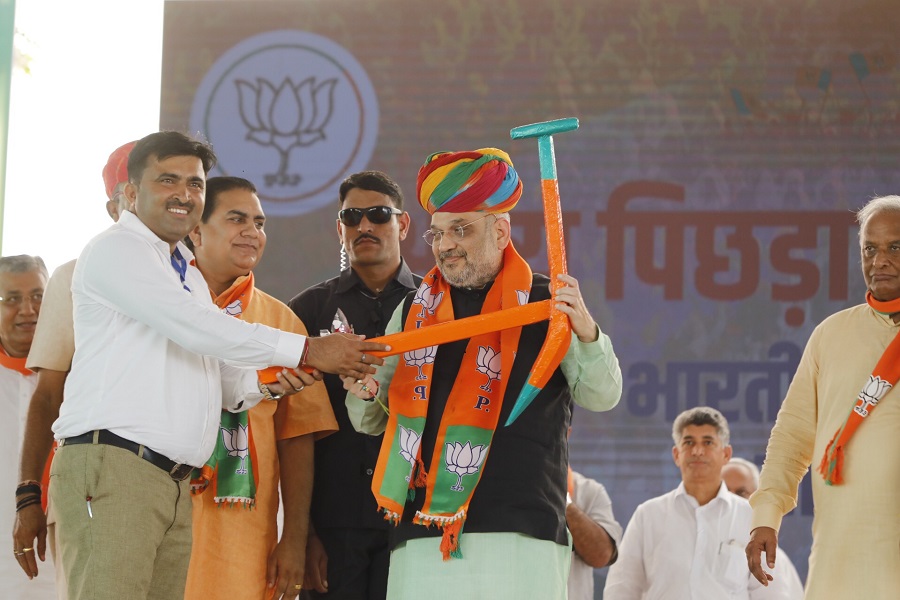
(427, 300)
(464, 460)
(237, 442)
(488, 362)
(409, 447)
(873, 391)
(419, 358)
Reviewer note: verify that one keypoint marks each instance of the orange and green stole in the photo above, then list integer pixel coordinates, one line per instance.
(883, 378)
(230, 468)
(469, 418)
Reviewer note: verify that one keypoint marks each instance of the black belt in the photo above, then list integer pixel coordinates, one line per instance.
(177, 471)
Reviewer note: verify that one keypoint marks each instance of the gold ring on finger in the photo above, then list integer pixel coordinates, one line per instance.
(24, 550)
(298, 587)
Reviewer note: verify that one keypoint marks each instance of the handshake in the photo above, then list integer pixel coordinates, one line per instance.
(345, 354)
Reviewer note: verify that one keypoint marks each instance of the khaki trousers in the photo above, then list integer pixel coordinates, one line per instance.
(132, 539)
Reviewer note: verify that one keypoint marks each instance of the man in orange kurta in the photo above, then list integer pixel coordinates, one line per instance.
(236, 552)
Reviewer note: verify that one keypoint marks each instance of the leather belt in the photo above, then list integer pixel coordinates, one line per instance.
(177, 471)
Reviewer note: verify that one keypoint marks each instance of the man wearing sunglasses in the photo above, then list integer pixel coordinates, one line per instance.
(347, 553)
(479, 507)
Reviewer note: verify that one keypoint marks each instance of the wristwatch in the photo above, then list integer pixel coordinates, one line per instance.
(264, 390)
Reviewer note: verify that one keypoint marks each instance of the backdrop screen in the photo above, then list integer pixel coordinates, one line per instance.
(708, 194)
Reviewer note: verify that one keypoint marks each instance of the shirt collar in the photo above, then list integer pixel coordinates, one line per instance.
(722, 495)
(349, 279)
(130, 221)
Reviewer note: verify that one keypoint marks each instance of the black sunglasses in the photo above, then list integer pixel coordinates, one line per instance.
(377, 215)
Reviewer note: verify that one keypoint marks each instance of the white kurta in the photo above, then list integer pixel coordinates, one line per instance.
(15, 394)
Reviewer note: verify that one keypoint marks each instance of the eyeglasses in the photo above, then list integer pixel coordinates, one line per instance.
(16, 301)
(377, 215)
(455, 234)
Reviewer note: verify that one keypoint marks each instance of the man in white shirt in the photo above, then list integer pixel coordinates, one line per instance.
(51, 357)
(689, 543)
(148, 382)
(22, 282)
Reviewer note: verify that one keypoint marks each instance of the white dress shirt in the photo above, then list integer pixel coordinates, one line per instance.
(147, 351)
(676, 549)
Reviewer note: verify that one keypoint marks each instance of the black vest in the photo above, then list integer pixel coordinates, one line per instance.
(523, 484)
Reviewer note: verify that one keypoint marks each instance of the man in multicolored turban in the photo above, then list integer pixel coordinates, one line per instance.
(447, 464)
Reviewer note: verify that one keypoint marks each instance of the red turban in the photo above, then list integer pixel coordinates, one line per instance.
(116, 169)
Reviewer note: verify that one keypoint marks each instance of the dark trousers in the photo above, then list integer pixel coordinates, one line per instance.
(358, 562)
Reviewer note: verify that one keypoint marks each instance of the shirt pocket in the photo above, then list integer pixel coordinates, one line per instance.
(731, 567)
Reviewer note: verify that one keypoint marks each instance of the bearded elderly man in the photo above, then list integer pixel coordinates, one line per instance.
(149, 381)
(22, 282)
(828, 420)
(495, 494)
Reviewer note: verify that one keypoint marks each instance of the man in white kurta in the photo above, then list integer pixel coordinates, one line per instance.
(22, 282)
(856, 532)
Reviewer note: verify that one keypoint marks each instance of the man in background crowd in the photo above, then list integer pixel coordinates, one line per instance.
(22, 282)
(688, 543)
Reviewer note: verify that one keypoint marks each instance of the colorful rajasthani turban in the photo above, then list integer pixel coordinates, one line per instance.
(116, 169)
(458, 182)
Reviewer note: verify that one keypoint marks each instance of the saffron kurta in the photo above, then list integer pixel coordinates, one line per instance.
(856, 531)
(232, 544)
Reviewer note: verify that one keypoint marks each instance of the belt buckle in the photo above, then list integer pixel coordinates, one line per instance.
(180, 472)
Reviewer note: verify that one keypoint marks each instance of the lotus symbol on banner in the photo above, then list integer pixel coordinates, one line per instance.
(464, 460)
(237, 443)
(488, 364)
(409, 447)
(286, 117)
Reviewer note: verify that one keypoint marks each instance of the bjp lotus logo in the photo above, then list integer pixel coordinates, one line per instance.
(289, 116)
(488, 362)
(871, 394)
(409, 447)
(427, 300)
(522, 297)
(237, 443)
(419, 358)
(464, 460)
(235, 309)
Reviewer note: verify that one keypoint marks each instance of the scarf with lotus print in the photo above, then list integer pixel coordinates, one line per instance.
(230, 468)
(883, 378)
(470, 416)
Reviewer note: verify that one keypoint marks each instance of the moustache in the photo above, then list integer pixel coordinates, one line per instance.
(452, 254)
(366, 236)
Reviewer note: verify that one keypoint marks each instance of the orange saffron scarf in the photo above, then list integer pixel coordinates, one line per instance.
(883, 378)
(469, 417)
